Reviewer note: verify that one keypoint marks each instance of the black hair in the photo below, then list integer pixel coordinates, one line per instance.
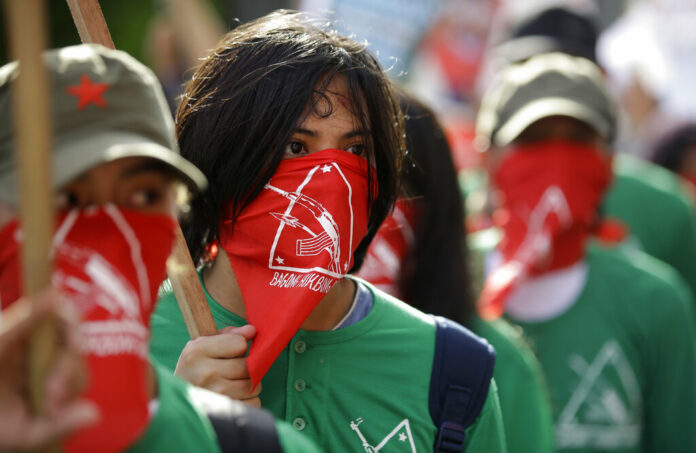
(671, 150)
(554, 29)
(435, 275)
(247, 97)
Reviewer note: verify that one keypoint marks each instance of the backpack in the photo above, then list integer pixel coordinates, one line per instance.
(238, 427)
(458, 386)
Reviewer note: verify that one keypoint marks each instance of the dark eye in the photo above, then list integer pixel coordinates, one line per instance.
(146, 197)
(67, 199)
(358, 149)
(294, 149)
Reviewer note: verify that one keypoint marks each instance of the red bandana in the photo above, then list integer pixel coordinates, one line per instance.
(394, 239)
(293, 243)
(110, 262)
(551, 193)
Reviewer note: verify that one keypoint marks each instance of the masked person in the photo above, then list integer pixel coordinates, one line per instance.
(653, 207)
(614, 337)
(420, 255)
(117, 174)
(300, 137)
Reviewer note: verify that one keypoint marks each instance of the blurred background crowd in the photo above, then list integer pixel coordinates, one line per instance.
(445, 52)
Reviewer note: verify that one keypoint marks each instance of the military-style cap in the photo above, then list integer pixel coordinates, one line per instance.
(106, 106)
(553, 84)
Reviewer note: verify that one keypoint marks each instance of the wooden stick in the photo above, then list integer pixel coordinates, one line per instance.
(92, 27)
(33, 132)
(90, 23)
(189, 292)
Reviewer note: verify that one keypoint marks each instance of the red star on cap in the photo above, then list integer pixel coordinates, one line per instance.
(88, 93)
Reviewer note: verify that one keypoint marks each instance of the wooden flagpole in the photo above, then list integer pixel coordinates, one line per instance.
(92, 28)
(26, 21)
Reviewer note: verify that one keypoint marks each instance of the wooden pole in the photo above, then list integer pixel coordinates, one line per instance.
(92, 27)
(188, 290)
(26, 21)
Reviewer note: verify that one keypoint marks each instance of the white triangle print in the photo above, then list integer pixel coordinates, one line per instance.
(605, 409)
(399, 439)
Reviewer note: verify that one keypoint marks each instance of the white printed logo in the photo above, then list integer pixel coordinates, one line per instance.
(601, 414)
(312, 228)
(92, 281)
(537, 242)
(400, 436)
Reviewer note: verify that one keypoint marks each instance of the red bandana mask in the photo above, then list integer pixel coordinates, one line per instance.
(394, 239)
(110, 263)
(551, 192)
(293, 243)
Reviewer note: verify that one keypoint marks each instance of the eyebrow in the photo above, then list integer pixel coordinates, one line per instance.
(347, 135)
(147, 166)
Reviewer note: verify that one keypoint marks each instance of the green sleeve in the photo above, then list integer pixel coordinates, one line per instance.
(521, 388)
(177, 427)
(683, 253)
(658, 211)
(670, 398)
(168, 333)
(487, 434)
(292, 441)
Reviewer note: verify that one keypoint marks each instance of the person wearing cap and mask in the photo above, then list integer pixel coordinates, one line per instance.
(615, 337)
(652, 204)
(117, 176)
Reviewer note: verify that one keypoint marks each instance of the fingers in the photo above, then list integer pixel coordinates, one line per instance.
(218, 363)
(239, 389)
(248, 331)
(44, 430)
(224, 345)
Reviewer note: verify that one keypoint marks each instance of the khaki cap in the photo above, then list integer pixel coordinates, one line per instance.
(106, 106)
(553, 84)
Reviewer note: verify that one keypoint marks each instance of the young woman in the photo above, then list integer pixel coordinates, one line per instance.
(300, 137)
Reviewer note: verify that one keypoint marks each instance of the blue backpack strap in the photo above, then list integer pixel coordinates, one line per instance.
(462, 371)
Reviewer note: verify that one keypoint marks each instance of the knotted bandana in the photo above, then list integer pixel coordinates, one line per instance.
(293, 242)
(109, 262)
(551, 193)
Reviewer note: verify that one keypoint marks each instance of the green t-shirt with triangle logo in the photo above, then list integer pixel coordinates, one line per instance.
(621, 360)
(658, 210)
(360, 388)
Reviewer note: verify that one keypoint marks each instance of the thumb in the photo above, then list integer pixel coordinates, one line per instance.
(248, 331)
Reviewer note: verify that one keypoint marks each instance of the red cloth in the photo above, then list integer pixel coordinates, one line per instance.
(551, 193)
(388, 249)
(10, 281)
(110, 263)
(293, 242)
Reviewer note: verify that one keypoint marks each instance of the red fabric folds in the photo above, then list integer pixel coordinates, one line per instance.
(389, 248)
(550, 192)
(293, 242)
(110, 263)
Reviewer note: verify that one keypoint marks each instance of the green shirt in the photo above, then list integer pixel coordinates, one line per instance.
(178, 426)
(658, 211)
(621, 361)
(524, 398)
(362, 386)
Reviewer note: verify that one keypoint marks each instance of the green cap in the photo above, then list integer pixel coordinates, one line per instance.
(552, 84)
(106, 106)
